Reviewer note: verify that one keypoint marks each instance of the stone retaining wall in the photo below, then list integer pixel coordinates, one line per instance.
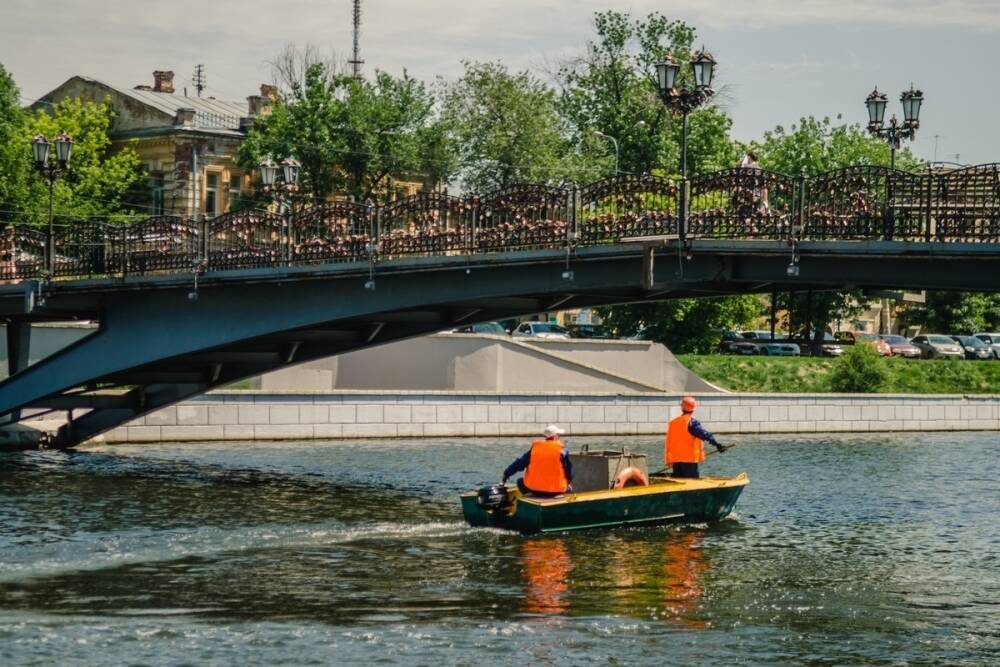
(242, 415)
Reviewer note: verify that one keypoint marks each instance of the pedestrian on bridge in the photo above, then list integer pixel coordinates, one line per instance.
(683, 446)
(547, 469)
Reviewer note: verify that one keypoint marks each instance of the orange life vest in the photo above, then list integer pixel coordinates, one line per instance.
(680, 446)
(545, 471)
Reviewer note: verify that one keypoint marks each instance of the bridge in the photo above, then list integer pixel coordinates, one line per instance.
(184, 306)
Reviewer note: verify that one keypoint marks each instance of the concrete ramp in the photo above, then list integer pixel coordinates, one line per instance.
(494, 363)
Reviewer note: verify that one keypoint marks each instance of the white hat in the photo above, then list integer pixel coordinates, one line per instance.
(552, 430)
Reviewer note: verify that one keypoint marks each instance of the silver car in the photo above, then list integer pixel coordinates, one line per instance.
(991, 339)
(540, 330)
(766, 346)
(936, 346)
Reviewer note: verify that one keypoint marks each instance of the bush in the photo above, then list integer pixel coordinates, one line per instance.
(861, 370)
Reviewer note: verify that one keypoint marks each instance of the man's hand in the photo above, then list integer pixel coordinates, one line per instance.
(504, 480)
(722, 448)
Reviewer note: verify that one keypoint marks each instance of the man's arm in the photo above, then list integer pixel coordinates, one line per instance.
(517, 466)
(567, 465)
(697, 430)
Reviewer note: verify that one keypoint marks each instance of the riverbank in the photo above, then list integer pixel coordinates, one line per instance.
(808, 374)
(250, 415)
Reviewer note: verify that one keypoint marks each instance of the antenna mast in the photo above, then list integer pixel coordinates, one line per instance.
(198, 79)
(356, 61)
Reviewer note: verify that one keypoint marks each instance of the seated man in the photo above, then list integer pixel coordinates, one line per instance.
(548, 471)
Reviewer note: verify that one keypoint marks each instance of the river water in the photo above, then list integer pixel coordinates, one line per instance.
(843, 550)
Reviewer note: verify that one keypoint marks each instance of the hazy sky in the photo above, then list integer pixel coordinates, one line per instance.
(779, 59)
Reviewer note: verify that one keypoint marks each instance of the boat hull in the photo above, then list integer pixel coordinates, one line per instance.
(665, 500)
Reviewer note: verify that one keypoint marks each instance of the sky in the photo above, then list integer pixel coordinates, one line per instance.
(779, 60)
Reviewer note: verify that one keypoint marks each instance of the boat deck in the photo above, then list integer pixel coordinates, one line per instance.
(657, 484)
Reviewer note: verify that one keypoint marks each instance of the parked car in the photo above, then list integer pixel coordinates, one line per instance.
(589, 331)
(482, 328)
(936, 346)
(974, 348)
(540, 330)
(831, 347)
(771, 347)
(902, 347)
(991, 339)
(858, 337)
(732, 343)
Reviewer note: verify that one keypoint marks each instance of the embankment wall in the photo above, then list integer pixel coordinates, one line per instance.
(244, 415)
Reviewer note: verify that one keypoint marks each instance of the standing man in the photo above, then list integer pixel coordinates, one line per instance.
(682, 448)
(547, 468)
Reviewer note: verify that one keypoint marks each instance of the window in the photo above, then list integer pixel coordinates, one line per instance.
(211, 195)
(158, 189)
(235, 190)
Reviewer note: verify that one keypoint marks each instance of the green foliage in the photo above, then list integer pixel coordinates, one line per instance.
(354, 135)
(860, 370)
(612, 88)
(506, 127)
(15, 158)
(684, 325)
(813, 375)
(98, 180)
(817, 146)
(961, 313)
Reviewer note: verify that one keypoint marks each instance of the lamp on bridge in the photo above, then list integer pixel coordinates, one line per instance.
(895, 131)
(281, 182)
(682, 99)
(50, 171)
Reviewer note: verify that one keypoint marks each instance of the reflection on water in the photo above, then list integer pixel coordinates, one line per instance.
(842, 550)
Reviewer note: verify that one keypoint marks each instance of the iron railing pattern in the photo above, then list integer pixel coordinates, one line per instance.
(854, 204)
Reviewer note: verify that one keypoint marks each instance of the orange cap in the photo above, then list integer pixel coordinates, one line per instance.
(688, 404)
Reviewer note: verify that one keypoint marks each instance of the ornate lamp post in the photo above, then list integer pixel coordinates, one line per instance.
(50, 171)
(895, 132)
(683, 100)
(281, 182)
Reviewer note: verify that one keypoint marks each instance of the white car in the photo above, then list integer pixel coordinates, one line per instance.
(768, 346)
(991, 339)
(540, 330)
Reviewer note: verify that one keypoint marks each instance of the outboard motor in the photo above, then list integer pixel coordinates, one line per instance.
(493, 497)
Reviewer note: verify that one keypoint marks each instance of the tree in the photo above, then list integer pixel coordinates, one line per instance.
(15, 157)
(684, 325)
(99, 179)
(506, 128)
(612, 88)
(962, 313)
(813, 147)
(353, 135)
(816, 146)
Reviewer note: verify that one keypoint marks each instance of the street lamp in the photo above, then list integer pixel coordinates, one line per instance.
(685, 99)
(281, 182)
(598, 133)
(50, 170)
(896, 131)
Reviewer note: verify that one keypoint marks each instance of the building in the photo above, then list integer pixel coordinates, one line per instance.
(187, 145)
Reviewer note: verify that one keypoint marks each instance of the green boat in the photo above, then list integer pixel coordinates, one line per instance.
(664, 500)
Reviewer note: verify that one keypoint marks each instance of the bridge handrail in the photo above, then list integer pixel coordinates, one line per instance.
(861, 202)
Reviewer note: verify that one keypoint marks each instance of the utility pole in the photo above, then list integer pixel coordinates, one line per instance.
(356, 61)
(198, 79)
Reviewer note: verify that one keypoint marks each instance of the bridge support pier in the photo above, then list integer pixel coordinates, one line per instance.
(18, 350)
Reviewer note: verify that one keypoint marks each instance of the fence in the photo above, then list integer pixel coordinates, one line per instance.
(854, 204)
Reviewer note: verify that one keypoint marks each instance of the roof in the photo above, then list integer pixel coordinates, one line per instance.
(210, 113)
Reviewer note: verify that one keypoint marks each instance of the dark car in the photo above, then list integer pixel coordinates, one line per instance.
(482, 328)
(974, 348)
(589, 331)
(902, 347)
(732, 343)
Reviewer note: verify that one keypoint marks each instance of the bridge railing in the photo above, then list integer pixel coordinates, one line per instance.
(863, 203)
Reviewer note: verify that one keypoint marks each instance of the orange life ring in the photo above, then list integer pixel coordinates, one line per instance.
(633, 475)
